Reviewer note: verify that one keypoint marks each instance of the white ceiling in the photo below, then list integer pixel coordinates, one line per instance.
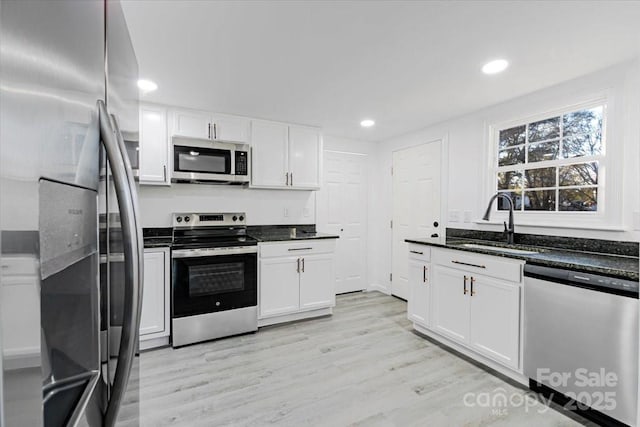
(404, 64)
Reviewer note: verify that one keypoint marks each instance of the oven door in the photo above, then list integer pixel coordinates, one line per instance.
(212, 280)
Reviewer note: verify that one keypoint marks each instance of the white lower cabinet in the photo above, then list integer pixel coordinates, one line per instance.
(419, 302)
(154, 319)
(296, 280)
(477, 311)
(279, 286)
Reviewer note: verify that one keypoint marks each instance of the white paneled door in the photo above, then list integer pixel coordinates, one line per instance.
(342, 210)
(416, 206)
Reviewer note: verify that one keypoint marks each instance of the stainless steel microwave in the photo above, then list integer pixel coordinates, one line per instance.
(210, 162)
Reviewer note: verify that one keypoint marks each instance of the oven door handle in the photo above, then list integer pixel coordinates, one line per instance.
(193, 253)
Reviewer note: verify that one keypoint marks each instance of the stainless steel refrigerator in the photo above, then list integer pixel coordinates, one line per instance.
(71, 242)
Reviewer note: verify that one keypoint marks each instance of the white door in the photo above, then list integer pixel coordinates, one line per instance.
(450, 293)
(154, 145)
(317, 282)
(416, 205)
(304, 157)
(419, 303)
(342, 210)
(279, 286)
(269, 154)
(192, 124)
(154, 297)
(495, 319)
(231, 128)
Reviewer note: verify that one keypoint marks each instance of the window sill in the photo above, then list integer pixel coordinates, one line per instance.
(618, 228)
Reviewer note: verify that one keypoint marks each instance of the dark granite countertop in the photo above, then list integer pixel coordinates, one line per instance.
(283, 233)
(609, 264)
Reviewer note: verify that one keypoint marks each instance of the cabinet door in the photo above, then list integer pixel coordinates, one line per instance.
(495, 320)
(155, 296)
(304, 157)
(419, 303)
(450, 303)
(192, 124)
(270, 161)
(154, 145)
(279, 286)
(317, 282)
(230, 128)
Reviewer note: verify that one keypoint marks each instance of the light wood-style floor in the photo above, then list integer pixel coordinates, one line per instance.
(363, 366)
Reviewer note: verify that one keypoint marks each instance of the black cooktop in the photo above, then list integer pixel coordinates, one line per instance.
(211, 237)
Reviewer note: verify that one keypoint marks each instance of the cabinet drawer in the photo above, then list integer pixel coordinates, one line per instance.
(292, 248)
(487, 265)
(419, 252)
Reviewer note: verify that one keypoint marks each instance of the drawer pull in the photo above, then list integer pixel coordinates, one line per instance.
(300, 249)
(424, 274)
(298, 269)
(470, 265)
(416, 252)
(472, 281)
(464, 286)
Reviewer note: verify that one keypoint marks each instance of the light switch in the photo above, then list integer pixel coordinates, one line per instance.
(306, 212)
(636, 220)
(467, 216)
(454, 215)
(285, 213)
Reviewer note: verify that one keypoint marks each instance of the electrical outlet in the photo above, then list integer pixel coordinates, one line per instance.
(467, 216)
(636, 220)
(306, 212)
(454, 215)
(285, 213)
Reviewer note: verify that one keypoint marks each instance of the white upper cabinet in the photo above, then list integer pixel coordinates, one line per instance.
(154, 146)
(305, 145)
(285, 156)
(205, 125)
(191, 124)
(270, 156)
(231, 128)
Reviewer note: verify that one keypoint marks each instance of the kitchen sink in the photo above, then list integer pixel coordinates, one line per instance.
(500, 249)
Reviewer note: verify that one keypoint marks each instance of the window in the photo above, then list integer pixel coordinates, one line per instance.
(553, 164)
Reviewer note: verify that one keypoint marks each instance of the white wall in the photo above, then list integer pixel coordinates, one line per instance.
(263, 207)
(466, 139)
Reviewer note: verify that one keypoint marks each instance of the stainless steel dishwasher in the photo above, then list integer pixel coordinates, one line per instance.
(581, 340)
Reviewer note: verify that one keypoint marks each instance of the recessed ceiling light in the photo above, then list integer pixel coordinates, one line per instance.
(494, 67)
(367, 123)
(147, 85)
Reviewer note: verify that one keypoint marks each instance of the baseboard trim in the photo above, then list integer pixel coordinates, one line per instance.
(295, 316)
(379, 288)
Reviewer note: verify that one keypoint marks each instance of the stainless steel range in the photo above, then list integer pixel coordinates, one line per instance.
(214, 277)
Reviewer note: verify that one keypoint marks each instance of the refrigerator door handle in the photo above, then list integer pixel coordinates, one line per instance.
(132, 270)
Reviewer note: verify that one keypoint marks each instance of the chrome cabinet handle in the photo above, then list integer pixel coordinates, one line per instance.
(164, 172)
(133, 255)
(299, 249)
(416, 252)
(464, 286)
(470, 265)
(303, 265)
(472, 282)
(287, 175)
(298, 269)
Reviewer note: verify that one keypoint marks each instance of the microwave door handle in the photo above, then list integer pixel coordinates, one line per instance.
(132, 270)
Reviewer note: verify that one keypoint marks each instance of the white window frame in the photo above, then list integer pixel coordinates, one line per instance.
(608, 215)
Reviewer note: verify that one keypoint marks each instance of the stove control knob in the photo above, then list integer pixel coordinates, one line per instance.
(187, 218)
(179, 219)
(241, 218)
(235, 218)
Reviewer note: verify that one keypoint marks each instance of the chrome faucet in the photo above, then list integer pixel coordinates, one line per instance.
(510, 230)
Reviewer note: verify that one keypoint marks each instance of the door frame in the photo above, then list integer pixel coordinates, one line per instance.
(444, 189)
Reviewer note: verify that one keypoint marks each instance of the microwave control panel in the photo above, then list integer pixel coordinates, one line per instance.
(241, 163)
